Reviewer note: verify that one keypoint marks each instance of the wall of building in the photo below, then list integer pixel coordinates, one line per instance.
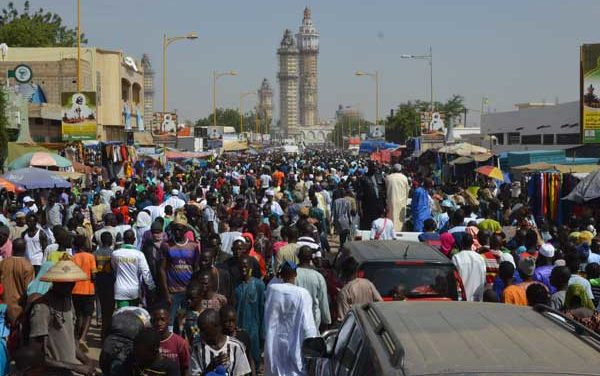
(102, 71)
(549, 127)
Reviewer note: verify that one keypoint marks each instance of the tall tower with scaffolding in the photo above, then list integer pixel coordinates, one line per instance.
(288, 85)
(148, 91)
(308, 48)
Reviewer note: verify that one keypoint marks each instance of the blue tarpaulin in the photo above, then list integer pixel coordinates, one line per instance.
(369, 147)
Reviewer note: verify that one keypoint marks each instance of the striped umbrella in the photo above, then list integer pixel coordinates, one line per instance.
(491, 172)
(41, 159)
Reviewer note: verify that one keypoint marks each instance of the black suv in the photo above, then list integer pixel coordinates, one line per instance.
(453, 338)
(423, 270)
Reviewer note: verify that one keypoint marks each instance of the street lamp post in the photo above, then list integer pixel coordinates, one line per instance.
(375, 75)
(216, 76)
(242, 96)
(166, 42)
(78, 46)
(429, 58)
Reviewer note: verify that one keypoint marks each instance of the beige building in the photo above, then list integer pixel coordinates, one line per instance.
(288, 86)
(117, 80)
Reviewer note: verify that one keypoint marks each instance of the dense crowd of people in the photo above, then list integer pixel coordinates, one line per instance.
(226, 269)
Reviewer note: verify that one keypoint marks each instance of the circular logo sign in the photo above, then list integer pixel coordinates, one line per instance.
(23, 74)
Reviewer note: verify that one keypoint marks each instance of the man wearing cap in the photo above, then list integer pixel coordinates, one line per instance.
(397, 196)
(174, 200)
(29, 205)
(178, 264)
(52, 316)
(273, 205)
(544, 265)
(288, 321)
(18, 227)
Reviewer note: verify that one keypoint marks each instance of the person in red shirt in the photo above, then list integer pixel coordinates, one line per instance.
(278, 177)
(172, 346)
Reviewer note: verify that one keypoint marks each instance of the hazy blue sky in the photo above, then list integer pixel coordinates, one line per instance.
(510, 51)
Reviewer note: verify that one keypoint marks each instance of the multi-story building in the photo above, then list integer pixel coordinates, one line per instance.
(288, 86)
(265, 103)
(116, 78)
(308, 48)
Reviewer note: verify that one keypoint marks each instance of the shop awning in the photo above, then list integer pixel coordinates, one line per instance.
(565, 169)
(176, 154)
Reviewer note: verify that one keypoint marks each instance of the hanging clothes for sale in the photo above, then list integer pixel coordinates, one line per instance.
(545, 191)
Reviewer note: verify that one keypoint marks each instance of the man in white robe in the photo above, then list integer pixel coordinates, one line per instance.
(288, 321)
(397, 195)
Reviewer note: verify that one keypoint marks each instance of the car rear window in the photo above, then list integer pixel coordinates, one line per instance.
(420, 281)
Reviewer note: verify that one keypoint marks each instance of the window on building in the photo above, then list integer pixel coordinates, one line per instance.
(125, 89)
(499, 138)
(568, 139)
(531, 139)
(514, 138)
(548, 139)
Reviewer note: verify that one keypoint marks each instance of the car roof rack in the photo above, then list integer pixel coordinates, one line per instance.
(389, 341)
(578, 328)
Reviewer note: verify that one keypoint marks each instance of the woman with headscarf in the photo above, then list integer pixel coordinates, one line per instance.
(474, 231)
(577, 298)
(447, 243)
(142, 224)
(580, 307)
(252, 252)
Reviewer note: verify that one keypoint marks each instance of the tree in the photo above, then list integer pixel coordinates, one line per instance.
(230, 117)
(35, 29)
(3, 127)
(406, 120)
(348, 125)
(453, 109)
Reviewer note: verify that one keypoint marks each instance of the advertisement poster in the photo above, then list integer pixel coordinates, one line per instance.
(78, 116)
(376, 132)
(165, 122)
(590, 91)
(214, 137)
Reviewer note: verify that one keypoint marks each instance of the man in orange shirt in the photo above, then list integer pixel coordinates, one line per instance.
(278, 177)
(512, 294)
(83, 292)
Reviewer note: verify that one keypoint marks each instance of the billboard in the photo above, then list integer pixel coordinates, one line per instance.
(214, 137)
(165, 122)
(78, 116)
(376, 132)
(589, 89)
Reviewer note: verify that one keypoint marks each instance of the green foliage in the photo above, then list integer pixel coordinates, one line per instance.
(3, 127)
(348, 126)
(35, 28)
(406, 120)
(230, 117)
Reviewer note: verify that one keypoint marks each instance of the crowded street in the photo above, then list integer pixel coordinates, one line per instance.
(268, 188)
